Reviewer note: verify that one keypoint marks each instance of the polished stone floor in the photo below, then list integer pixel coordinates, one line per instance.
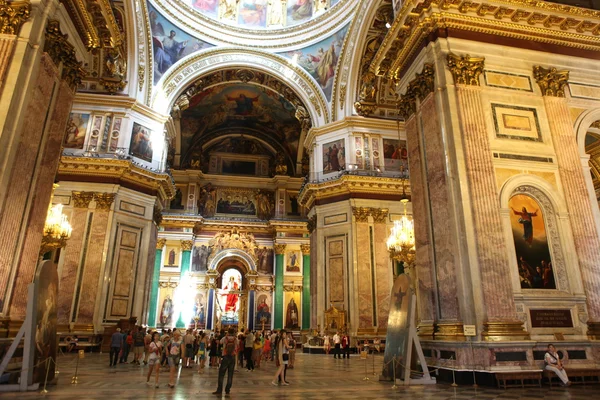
(315, 377)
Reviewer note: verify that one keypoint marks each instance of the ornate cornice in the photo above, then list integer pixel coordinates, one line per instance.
(279, 248)
(361, 214)
(12, 16)
(305, 248)
(186, 245)
(292, 287)
(104, 200)
(551, 81)
(82, 199)
(160, 243)
(465, 69)
(61, 51)
(380, 215)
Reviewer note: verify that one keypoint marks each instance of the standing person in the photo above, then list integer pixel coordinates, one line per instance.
(213, 350)
(327, 344)
(147, 341)
(165, 339)
(174, 356)
(202, 346)
(292, 350)
(553, 363)
(138, 345)
(273, 339)
(248, 347)
(257, 352)
(267, 348)
(346, 345)
(336, 343)
(230, 345)
(240, 350)
(281, 358)
(127, 344)
(116, 343)
(154, 354)
(188, 341)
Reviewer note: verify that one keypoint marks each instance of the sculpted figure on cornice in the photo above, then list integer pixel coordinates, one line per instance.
(235, 240)
(266, 204)
(207, 201)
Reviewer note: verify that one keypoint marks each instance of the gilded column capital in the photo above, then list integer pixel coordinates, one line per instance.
(104, 200)
(82, 199)
(407, 105)
(311, 225)
(61, 51)
(551, 81)
(466, 69)
(379, 215)
(423, 84)
(279, 248)
(13, 16)
(160, 243)
(305, 248)
(186, 245)
(157, 216)
(361, 214)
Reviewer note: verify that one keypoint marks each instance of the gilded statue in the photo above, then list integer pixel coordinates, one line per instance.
(228, 9)
(266, 205)
(235, 240)
(276, 8)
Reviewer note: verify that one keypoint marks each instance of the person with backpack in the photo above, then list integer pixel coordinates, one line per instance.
(230, 345)
(175, 349)
(127, 344)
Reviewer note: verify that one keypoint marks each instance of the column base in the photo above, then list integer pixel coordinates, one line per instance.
(593, 331)
(450, 331)
(497, 331)
(426, 331)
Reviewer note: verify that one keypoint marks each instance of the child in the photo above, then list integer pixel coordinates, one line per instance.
(257, 352)
(267, 349)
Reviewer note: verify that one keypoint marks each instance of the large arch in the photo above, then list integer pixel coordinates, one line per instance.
(186, 71)
(237, 254)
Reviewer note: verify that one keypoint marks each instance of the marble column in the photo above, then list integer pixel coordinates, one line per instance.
(278, 309)
(7, 45)
(500, 319)
(305, 325)
(210, 318)
(363, 266)
(383, 271)
(153, 308)
(186, 256)
(585, 236)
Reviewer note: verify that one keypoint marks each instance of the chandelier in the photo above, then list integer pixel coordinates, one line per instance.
(57, 230)
(401, 242)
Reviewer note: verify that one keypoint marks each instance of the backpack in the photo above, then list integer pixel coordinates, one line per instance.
(229, 348)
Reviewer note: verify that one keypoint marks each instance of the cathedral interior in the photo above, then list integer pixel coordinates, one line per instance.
(246, 163)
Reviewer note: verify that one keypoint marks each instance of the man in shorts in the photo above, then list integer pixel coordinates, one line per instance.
(138, 345)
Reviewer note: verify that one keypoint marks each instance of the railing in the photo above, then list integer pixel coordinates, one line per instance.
(352, 169)
(120, 153)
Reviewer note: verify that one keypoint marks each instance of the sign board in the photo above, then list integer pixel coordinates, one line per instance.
(81, 354)
(551, 318)
(470, 330)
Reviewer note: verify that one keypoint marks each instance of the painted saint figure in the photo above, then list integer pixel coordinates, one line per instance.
(245, 105)
(232, 297)
(291, 316)
(526, 221)
(166, 311)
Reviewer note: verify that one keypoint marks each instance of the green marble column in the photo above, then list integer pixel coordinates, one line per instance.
(305, 286)
(186, 257)
(278, 311)
(154, 288)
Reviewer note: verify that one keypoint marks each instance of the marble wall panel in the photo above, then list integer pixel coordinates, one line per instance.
(336, 271)
(363, 266)
(383, 274)
(7, 45)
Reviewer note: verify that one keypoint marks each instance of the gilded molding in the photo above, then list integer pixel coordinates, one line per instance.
(61, 51)
(380, 215)
(157, 216)
(367, 97)
(12, 16)
(186, 245)
(292, 288)
(551, 81)
(424, 83)
(305, 248)
(82, 199)
(466, 69)
(104, 200)
(160, 243)
(312, 224)
(279, 248)
(361, 214)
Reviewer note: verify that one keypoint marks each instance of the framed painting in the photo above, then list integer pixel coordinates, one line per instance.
(240, 202)
(140, 145)
(334, 156)
(395, 155)
(76, 130)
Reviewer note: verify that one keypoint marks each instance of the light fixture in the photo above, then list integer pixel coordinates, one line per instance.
(401, 242)
(388, 25)
(57, 230)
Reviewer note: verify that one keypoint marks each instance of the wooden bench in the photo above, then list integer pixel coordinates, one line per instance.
(519, 379)
(576, 375)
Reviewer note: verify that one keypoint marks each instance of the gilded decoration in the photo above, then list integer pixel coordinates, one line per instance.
(423, 84)
(160, 243)
(12, 16)
(186, 245)
(279, 248)
(61, 51)
(104, 200)
(82, 199)
(367, 97)
(361, 214)
(157, 216)
(311, 225)
(466, 69)
(292, 288)
(380, 215)
(235, 240)
(305, 248)
(551, 81)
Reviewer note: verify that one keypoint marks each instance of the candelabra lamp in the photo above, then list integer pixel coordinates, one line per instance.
(57, 230)
(401, 242)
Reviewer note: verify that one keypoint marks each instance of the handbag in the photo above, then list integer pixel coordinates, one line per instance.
(285, 357)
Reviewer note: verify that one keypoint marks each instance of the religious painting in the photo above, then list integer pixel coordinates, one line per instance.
(395, 155)
(398, 328)
(320, 59)
(46, 293)
(208, 7)
(141, 143)
(228, 299)
(236, 202)
(299, 11)
(334, 156)
(358, 151)
(169, 43)
(166, 310)
(294, 262)
(263, 311)
(292, 310)
(200, 255)
(265, 260)
(253, 13)
(199, 312)
(237, 167)
(531, 243)
(76, 130)
(171, 257)
(375, 152)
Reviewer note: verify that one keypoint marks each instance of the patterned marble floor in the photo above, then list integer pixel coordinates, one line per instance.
(315, 377)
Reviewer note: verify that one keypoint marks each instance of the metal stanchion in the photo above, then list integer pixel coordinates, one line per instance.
(50, 360)
(394, 386)
(366, 378)
(453, 375)
(74, 379)
(473, 360)
(373, 357)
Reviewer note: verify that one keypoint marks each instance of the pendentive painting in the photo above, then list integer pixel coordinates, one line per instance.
(531, 243)
(395, 155)
(334, 156)
(76, 129)
(253, 13)
(141, 145)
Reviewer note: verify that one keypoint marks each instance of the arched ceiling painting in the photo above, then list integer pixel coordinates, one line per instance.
(239, 118)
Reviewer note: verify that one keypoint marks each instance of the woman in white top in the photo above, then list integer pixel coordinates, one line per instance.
(155, 351)
(553, 363)
(327, 344)
(281, 358)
